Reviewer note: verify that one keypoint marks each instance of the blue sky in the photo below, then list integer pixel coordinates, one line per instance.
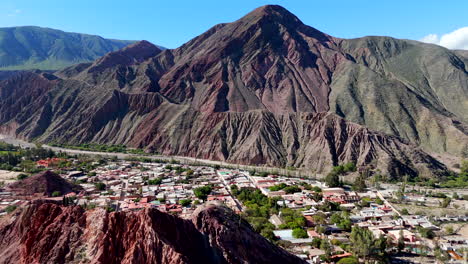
(171, 23)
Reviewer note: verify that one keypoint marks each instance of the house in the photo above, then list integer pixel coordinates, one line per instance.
(408, 236)
(276, 220)
(339, 195)
(49, 162)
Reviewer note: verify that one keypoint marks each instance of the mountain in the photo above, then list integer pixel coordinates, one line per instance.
(265, 89)
(44, 183)
(45, 232)
(23, 48)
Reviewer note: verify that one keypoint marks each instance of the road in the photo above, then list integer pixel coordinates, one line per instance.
(122, 195)
(182, 160)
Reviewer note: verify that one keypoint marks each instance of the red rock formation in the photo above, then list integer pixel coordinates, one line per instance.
(50, 233)
(257, 91)
(44, 183)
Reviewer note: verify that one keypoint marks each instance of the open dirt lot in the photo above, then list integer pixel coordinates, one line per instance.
(8, 176)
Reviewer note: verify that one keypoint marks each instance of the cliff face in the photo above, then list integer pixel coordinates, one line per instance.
(265, 89)
(49, 233)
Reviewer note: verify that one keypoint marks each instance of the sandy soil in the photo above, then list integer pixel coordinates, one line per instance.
(463, 231)
(8, 176)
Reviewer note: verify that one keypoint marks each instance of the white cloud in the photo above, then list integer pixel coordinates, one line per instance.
(457, 39)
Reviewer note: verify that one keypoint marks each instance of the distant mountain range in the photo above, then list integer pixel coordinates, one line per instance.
(50, 49)
(265, 89)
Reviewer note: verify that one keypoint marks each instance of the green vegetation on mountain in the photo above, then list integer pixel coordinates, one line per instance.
(24, 48)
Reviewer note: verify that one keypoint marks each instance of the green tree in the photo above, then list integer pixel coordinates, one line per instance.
(401, 241)
(292, 189)
(327, 247)
(185, 202)
(316, 242)
(299, 233)
(349, 167)
(202, 192)
(362, 242)
(359, 183)
(56, 194)
(100, 186)
(333, 180)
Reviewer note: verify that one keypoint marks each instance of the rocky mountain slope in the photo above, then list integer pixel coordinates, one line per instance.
(49, 233)
(44, 183)
(50, 49)
(265, 89)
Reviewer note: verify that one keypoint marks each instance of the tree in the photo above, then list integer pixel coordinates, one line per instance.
(404, 211)
(349, 167)
(426, 232)
(202, 192)
(401, 241)
(292, 189)
(316, 242)
(56, 194)
(156, 181)
(359, 184)
(299, 233)
(362, 242)
(185, 202)
(333, 180)
(100, 186)
(446, 202)
(327, 247)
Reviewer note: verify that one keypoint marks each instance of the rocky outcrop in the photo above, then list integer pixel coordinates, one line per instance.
(44, 183)
(265, 89)
(45, 232)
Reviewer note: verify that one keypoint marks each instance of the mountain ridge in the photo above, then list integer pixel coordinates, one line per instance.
(257, 91)
(32, 47)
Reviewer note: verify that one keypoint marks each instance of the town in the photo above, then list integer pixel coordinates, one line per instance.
(309, 218)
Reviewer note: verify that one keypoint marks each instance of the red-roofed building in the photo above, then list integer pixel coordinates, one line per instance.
(49, 162)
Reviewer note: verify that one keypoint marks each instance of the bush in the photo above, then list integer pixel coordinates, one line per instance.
(21, 176)
(10, 208)
(348, 260)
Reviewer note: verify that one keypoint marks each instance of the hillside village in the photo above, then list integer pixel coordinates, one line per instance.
(304, 216)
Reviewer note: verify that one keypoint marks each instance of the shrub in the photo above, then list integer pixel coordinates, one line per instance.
(21, 176)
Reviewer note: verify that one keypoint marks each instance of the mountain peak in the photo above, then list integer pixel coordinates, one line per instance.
(273, 13)
(134, 53)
